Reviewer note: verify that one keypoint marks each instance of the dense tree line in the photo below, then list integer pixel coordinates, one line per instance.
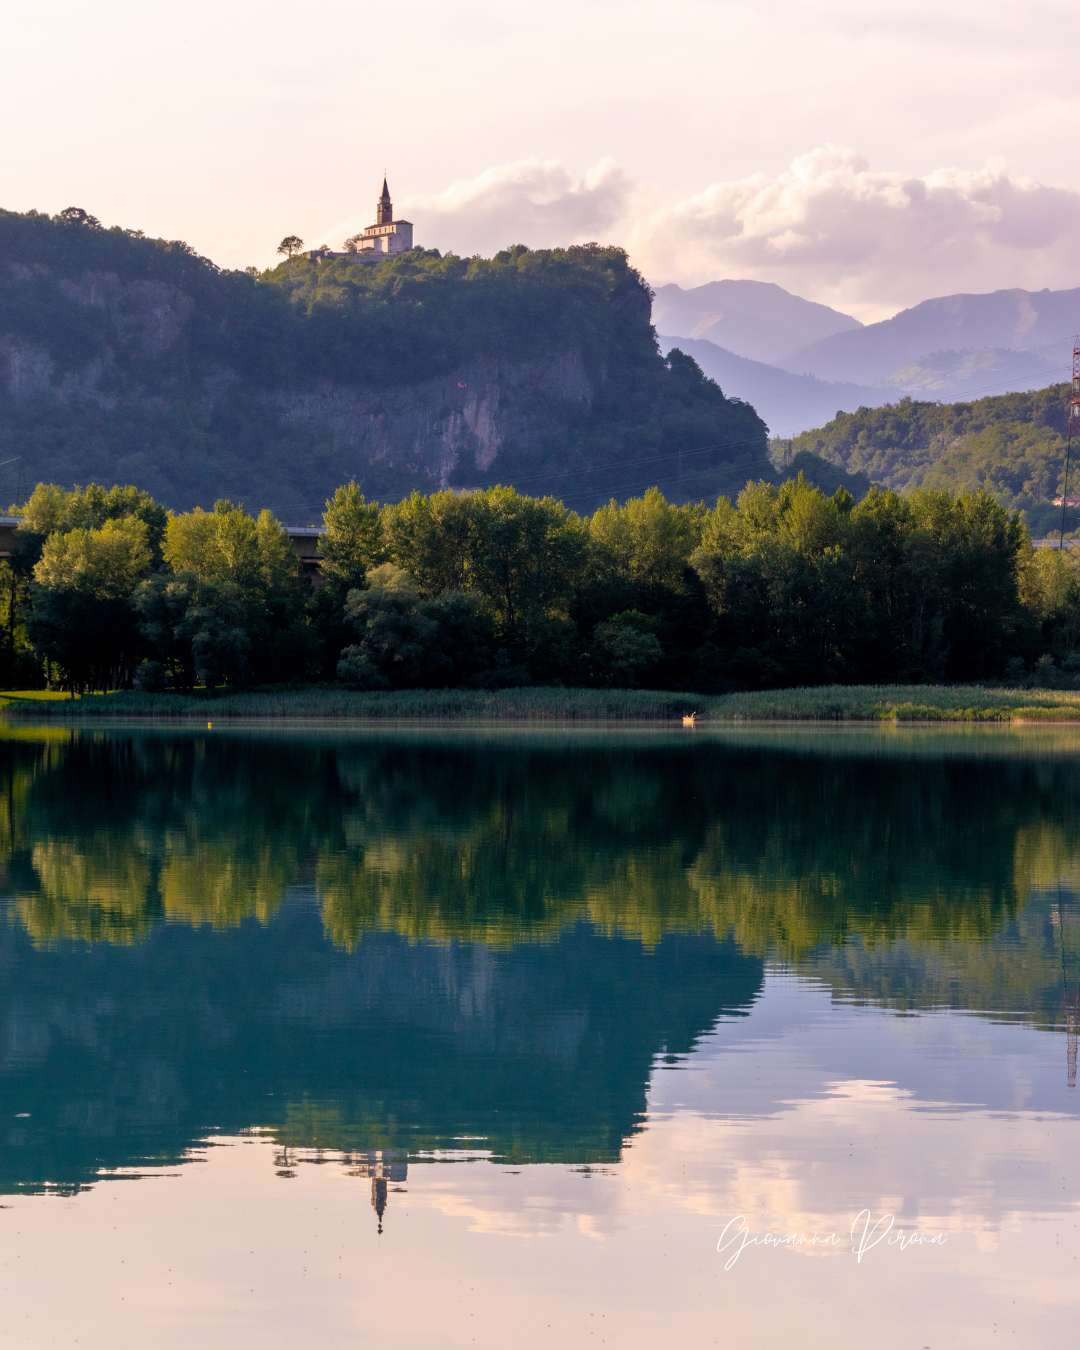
(784, 587)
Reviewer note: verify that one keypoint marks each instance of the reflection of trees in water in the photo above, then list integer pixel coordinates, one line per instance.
(786, 853)
(114, 836)
(106, 836)
(96, 888)
(1021, 970)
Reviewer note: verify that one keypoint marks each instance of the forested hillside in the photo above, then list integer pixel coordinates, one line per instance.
(125, 358)
(1011, 445)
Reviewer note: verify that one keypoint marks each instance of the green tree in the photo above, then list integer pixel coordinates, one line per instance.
(647, 539)
(813, 588)
(247, 619)
(395, 635)
(228, 545)
(1050, 594)
(82, 619)
(976, 548)
(350, 543)
(432, 537)
(197, 629)
(106, 563)
(406, 641)
(48, 516)
(628, 645)
(51, 510)
(526, 557)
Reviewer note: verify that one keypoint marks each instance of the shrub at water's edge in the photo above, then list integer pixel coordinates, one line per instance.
(832, 703)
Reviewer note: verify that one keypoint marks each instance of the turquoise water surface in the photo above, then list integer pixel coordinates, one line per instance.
(490, 1036)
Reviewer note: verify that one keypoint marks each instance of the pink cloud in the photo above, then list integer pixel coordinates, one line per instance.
(833, 229)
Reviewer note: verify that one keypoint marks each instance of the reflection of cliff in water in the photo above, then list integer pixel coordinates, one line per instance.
(119, 1055)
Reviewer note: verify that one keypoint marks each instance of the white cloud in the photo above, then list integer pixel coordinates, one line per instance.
(866, 241)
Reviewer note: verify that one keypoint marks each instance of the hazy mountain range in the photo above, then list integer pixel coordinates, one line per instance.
(799, 362)
(755, 319)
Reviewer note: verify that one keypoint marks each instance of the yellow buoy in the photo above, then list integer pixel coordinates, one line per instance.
(209, 725)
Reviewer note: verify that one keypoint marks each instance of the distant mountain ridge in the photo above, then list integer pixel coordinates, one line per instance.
(745, 334)
(787, 403)
(755, 319)
(1009, 319)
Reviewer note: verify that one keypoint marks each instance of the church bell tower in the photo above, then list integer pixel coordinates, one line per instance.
(384, 211)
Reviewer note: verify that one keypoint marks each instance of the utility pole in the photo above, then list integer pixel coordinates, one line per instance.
(1074, 426)
(1071, 1005)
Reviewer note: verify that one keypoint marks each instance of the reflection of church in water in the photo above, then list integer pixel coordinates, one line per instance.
(383, 1168)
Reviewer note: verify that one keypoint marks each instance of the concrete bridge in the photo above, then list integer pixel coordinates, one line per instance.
(305, 539)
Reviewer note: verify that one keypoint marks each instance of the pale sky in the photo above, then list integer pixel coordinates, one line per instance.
(865, 155)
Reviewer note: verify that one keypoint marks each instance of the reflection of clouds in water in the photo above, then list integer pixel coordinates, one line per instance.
(763, 1121)
(810, 1168)
(230, 1254)
(815, 1164)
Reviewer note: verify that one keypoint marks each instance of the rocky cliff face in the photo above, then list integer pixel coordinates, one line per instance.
(444, 425)
(432, 429)
(143, 320)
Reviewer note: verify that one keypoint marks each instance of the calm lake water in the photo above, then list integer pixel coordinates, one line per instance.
(490, 1037)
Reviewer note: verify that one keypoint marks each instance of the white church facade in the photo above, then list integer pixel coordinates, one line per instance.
(381, 240)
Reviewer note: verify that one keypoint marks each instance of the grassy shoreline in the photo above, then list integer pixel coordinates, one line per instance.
(832, 703)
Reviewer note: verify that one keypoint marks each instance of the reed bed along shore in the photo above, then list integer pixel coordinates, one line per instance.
(832, 703)
(901, 703)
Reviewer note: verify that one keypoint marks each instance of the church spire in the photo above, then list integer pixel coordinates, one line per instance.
(384, 211)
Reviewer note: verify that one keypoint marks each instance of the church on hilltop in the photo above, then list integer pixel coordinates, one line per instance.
(381, 240)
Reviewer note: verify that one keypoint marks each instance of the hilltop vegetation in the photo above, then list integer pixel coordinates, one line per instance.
(122, 356)
(1010, 445)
